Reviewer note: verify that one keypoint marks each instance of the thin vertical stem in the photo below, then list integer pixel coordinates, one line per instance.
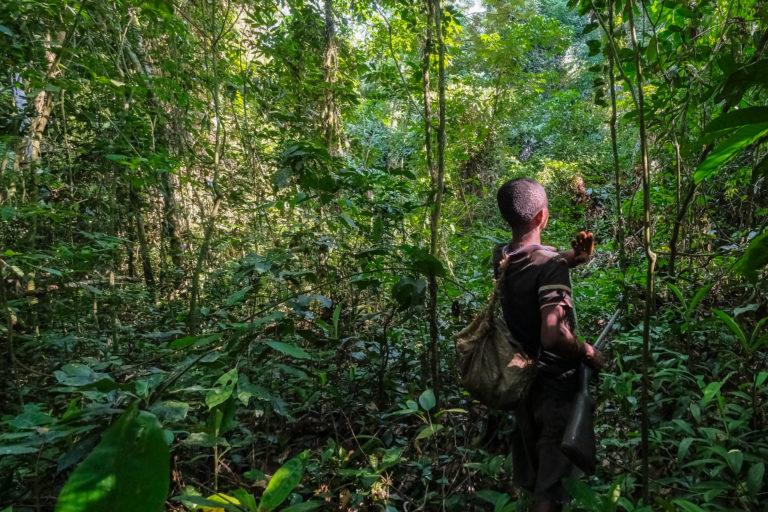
(650, 256)
(437, 184)
(614, 146)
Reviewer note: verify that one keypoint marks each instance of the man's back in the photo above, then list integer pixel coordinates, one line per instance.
(534, 276)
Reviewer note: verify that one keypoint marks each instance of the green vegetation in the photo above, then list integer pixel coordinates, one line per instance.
(237, 238)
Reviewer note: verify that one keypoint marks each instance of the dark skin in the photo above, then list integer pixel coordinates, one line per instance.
(556, 336)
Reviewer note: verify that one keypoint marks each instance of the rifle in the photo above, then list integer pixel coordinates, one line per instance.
(579, 438)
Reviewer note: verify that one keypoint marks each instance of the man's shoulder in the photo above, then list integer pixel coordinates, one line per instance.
(546, 255)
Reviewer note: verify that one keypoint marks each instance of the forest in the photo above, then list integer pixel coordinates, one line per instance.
(238, 238)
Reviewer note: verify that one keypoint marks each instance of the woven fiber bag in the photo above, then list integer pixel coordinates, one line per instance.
(493, 366)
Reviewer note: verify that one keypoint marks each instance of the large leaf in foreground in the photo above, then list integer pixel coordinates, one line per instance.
(128, 470)
(283, 482)
(729, 148)
(755, 258)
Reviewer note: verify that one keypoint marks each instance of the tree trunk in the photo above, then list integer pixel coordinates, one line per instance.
(170, 223)
(331, 117)
(192, 316)
(427, 369)
(437, 199)
(614, 147)
(649, 254)
(170, 208)
(141, 234)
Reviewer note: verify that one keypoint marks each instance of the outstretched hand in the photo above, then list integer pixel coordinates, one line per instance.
(583, 245)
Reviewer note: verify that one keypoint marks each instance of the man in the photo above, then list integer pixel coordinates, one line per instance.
(537, 305)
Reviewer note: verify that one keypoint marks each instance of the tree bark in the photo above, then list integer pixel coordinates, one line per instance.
(650, 258)
(192, 316)
(331, 116)
(141, 235)
(437, 199)
(615, 148)
(170, 207)
(427, 370)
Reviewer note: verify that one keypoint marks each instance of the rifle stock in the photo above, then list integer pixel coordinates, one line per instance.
(578, 442)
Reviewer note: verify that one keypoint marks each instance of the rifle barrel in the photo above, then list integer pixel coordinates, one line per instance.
(604, 334)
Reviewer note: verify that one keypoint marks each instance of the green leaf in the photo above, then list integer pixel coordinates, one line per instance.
(283, 482)
(5, 30)
(336, 315)
(427, 264)
(216, 501)
(427, 400)
(712, 389)
(304, 506)
(735, 459)
(584, 495)
(348, 221)
(222, 389)
(78, 375)
(127, 471)
(118, 158)
(698, 296)
(237, 296)
(288, 349)
(732, 325)
(409, 292)
(678, 294)
(739, 81)
(199, 340)
(246, 499)
(429, 431)
(170, 410)
(728, 149)
(682, 448)
(755, 477)
(736, 119)
(495, 498)
(755, 258)
(458, 410)
(688, 506)
(17, 449)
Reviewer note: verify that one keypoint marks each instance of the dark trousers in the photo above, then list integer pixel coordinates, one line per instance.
(538, 463)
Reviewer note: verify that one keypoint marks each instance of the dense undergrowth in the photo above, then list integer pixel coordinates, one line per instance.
(215, 274)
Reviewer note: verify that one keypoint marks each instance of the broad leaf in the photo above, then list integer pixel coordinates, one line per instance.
(283, 482)
(755, 477)
(427, 400)
(170, 410)
(755, 258)
(732, 325)
(688, 506)
(429, 431)
(304, 506)
(728, 149)
(736, 119)
(127, 471)
(222, 389)
(288, 349)
(237, 296)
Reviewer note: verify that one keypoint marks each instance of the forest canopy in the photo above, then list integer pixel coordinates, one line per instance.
(237, 239)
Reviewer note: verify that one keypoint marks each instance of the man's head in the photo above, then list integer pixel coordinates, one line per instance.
(521, 201)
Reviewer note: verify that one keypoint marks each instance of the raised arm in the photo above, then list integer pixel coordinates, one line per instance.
(582, 247)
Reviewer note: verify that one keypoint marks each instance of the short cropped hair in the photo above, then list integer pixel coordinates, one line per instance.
(520, 200)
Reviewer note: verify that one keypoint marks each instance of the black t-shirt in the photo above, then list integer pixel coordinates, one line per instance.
(534, 276)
